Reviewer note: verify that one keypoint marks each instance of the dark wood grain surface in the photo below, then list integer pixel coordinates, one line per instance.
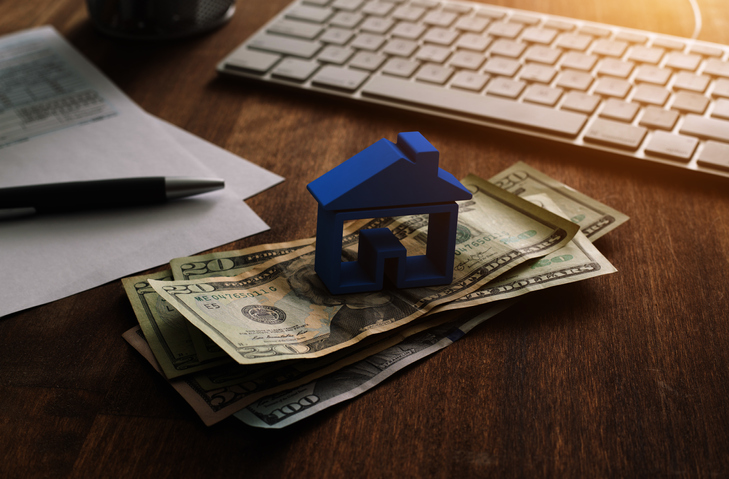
(619, 376)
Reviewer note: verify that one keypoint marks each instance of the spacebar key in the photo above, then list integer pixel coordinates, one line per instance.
(477, 106)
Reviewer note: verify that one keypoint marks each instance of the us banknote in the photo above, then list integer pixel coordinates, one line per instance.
(285, 408)
(281, 310)
(218, 393)
(165, 328)
(577, 261)
(595, 219)
(169, 334)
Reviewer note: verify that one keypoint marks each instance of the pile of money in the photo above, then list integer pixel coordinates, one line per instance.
(254, 333)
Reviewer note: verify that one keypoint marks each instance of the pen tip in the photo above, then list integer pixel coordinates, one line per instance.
(182, 187)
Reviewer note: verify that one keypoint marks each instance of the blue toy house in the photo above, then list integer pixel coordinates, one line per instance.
(387, 179)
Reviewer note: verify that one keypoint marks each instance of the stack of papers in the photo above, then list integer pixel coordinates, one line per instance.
(63, 120)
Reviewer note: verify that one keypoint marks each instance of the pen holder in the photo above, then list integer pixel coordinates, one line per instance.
(158, 19)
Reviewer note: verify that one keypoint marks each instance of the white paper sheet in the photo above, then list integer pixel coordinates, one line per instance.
(47, 258)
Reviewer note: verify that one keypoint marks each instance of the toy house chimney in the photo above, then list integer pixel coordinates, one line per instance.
(420, 151)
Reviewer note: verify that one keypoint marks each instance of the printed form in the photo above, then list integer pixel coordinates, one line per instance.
(62, 120)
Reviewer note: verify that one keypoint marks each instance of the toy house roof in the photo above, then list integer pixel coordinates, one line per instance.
(386, 174)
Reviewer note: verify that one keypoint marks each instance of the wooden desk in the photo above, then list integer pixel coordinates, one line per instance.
(620, 376)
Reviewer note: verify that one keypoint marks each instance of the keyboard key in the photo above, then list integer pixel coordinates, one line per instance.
(651, 95)
(293, 28)
(455, 7)
(469, 80)
(501, 66)
(559, 25)
(376, 25)
(349, 5)
(525, 19)
(614, 87)
(346, 19)
(400, 67)
(613, 133)
(505, 29)
(609, 48)
(537, 73)
(488, 13)
(467, 60)
(714, 155)
(691, 82)
(631, 37)
(706, 50)
(716, 68)
(336, 36)
(440, 18)
(543, 36)
(440, 36)
(295, 69)
(668, 43)
(407, 13)
(434, 73)
(310, 13)
(543, 95)
(471, 41)
(709, 128)
(654, 75)
(251, 61)
(574, 80)
(619, 110)
(378, 9)
(505, 87)
(615, 68)
(508, 48)
(643, 54)
(368, 41)
(688, 102)
(574, 41)
(721, 88)
(578, 61)
(400, 48)
(433, 53)
(683, 61)
(285, 45)
(369, 61)
(489, 108)
(721, 109)
(335, 54)
(471, 24)
(654, 117)
(595, 31)
(542, 54)
(581, 102)
(672, 146)
(339, 78)
(408, 30)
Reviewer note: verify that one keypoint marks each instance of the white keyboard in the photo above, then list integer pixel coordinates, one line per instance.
(638, 94)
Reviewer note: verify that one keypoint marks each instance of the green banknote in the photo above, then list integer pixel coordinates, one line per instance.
(280, 310)
(217, 393)
(165, 328)
(577, 261)
(178, 346)
(595, 219)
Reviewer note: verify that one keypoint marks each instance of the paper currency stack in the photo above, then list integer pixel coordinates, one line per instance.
(255, 333)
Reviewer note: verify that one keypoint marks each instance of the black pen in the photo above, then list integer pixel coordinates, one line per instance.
(101, 194)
